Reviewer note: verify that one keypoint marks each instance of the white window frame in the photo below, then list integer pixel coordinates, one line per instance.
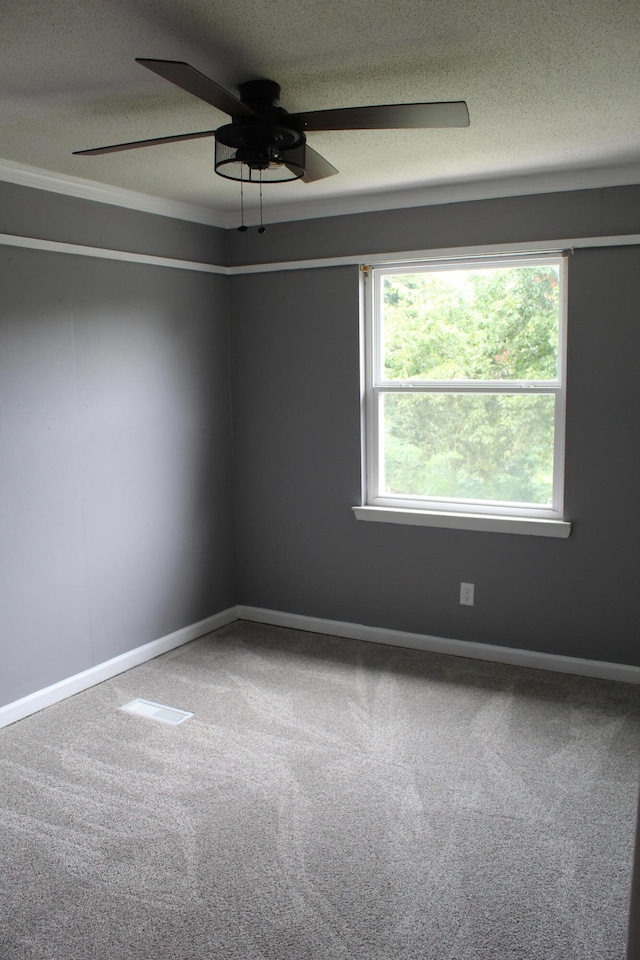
(434, 511)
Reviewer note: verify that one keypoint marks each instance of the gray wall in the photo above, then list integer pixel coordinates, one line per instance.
(117, 489)
(27, 212)
(115, 500)
(554, 216)
(296, 421)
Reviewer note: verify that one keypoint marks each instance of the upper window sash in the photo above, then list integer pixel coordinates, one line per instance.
(375, 311)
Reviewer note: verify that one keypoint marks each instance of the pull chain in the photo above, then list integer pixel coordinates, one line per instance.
(261, 228)
(242, 228)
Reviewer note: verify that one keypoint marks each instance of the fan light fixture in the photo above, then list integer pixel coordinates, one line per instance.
(259, 153)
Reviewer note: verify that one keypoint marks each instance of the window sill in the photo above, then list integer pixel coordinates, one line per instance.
(529, 526)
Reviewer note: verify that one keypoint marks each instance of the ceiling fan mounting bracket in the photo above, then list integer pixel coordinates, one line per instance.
(260, 92)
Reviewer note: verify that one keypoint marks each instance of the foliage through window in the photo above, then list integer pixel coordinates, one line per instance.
(464, 385)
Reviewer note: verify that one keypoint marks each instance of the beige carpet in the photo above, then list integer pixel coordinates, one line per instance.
(329, 800)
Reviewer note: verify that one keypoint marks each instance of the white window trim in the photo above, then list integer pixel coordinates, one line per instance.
(483, 522)
(466, 515)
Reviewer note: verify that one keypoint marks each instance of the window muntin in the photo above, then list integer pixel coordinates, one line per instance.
(464, 385)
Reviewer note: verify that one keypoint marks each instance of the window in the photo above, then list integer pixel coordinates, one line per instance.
(464, 387)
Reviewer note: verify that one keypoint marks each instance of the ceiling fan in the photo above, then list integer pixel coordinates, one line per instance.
(264, 143)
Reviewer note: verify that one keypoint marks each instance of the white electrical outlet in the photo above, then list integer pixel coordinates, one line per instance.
(467, 591)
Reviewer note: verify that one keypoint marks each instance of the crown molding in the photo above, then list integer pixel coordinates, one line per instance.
(369, 202)
(26, 176)
(488, 189)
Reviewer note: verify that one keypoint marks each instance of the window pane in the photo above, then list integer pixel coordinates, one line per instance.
(494, 323)
(469, 446)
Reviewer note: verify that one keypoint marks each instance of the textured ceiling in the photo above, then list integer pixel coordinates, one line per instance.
(551, 88)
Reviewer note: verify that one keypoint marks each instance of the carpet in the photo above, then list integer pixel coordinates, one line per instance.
(329, 800)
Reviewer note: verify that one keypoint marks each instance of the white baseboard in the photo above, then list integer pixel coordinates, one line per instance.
(110, 668)
(336, 628)
(458, 648)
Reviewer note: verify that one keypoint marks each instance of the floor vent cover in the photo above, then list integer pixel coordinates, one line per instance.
(156, 711)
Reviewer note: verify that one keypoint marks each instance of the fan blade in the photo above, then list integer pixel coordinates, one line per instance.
(399, 116)
(191, 80)
(134, 144)
(315, 166)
